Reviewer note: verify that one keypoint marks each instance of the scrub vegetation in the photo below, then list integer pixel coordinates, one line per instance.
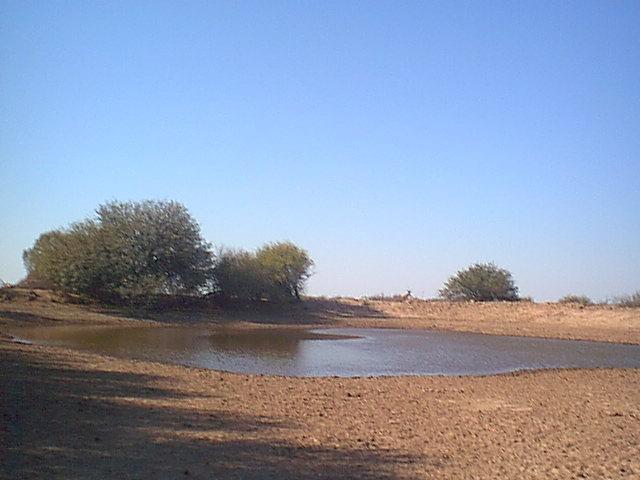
(481, 282)
(629, 301)
(577, 299)
(277, 271)
(142, 252)
(131, 251)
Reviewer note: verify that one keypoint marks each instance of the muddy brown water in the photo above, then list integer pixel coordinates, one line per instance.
(344, 352)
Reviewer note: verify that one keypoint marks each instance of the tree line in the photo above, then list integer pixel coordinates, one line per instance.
(132, 250)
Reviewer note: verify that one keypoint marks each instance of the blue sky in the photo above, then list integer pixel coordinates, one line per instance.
(397, 141)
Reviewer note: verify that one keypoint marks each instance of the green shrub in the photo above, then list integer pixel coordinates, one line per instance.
(151, 248)
(238, 275)
(128, 250)
(277, 272)
(480, 282)
(578, 299)
(285, 268)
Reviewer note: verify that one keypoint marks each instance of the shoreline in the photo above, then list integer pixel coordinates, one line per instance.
(558, 321)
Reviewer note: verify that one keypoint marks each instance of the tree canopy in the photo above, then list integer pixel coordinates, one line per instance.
(136, 249)
(277, 271)
(480, 282)
(286, 267)
(127, 249)
(238, 275)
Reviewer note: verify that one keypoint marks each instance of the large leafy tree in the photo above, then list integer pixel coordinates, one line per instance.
(481, 282)
(128, 249)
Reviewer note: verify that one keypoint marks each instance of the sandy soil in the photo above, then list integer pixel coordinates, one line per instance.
(71, 415)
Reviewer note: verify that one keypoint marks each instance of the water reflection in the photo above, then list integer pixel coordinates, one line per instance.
(341, 352)
(269, 343)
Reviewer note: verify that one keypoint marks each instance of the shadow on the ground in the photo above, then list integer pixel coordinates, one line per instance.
(313, 311)
(25, 309)
(25, 318)
(60, 420)
(332, 308)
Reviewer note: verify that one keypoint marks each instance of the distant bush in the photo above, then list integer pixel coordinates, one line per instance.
(632, 300)
(127, 250)
(579, 299)
(277, 272)
(390, 298)
(480, 282)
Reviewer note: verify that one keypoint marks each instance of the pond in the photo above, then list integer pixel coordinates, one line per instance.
(344, 352)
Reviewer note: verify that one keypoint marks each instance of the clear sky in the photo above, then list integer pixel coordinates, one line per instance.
(396, 141)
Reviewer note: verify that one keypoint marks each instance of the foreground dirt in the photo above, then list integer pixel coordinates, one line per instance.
(82, 416)
(72, 415)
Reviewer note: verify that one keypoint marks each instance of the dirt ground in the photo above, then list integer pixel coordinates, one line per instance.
(72, 415)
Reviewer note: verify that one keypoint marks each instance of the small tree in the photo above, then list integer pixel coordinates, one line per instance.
(71, 261)
(127, 250)
(238, 275)
(277, 271)
(480, 282)
(286, 268)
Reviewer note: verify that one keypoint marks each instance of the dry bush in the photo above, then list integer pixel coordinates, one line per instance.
(629, 301)
(390, 298)
(577, 299)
